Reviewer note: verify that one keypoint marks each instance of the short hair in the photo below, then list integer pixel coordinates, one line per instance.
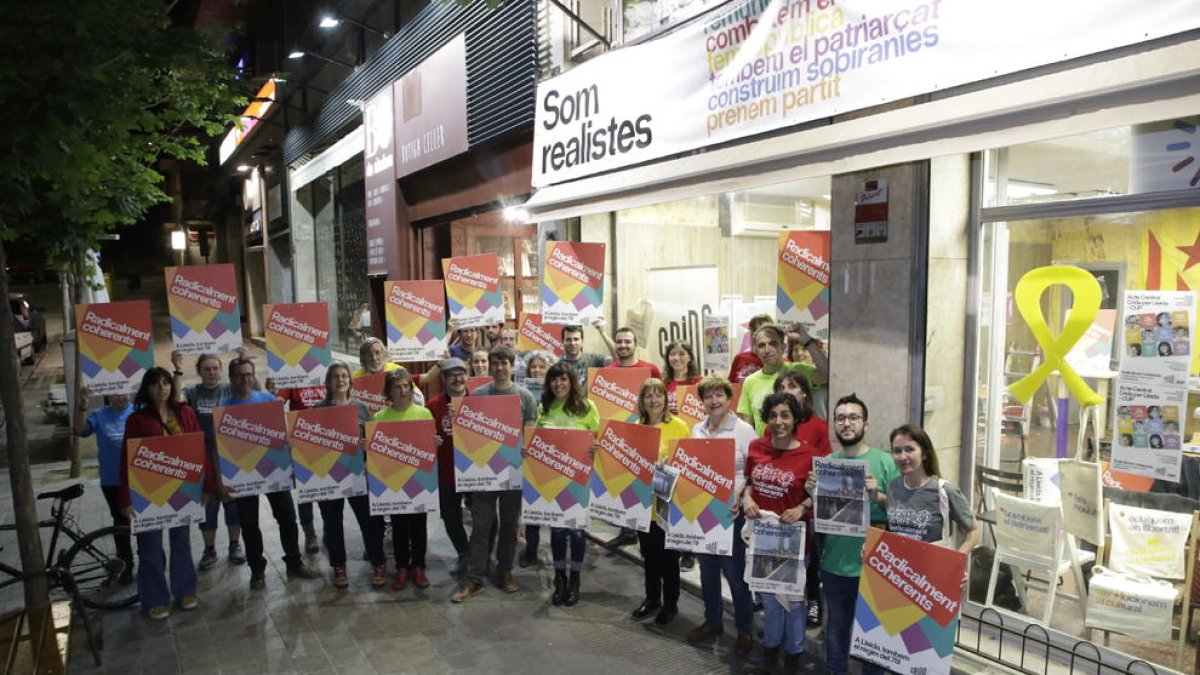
(205, 357)
(652, 384)
(393, 376)
(571, 328)
(851, 399)
(783, 398)
(693, 368)
(714, 382)
(336, 365)
(626, 329)
(502, 352)
(538, 355)
(929, 461)
(238, 363)
(796, 377)
(153, 376)
(758, 320)
(771, 328)
(366, 346)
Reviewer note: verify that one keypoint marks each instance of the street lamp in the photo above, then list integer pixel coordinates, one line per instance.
(299, 54)
(330, 22)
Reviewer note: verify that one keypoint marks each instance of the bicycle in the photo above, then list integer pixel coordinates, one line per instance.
(91, 571)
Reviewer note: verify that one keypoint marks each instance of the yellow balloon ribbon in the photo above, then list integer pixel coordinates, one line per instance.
(1086, 293)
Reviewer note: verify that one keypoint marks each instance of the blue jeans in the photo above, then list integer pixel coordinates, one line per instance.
(841, 597)
(152, 567)
(783, 626)
(210, 515)
(559, 536)
(733, 567)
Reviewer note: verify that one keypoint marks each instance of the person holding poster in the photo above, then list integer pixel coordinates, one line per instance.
(337, 392)
(537, 363)
(242, 392)
(450, 501)
(776, 468)
(721, 422)
(508, 338)
(468, 341)
(108, 423)
(573, 354)
(409, 530)
(682, 369)
(564, 406)
(661, 564)
(920, 503)
(624, 348)
(841, 556)
(158, 412)
(373, 358)
(770, 344)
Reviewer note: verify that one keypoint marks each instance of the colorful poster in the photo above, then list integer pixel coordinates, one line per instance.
(700, 517)
(718, 346)
(1093, 352)
(802, 291)
(572, 283)
(622, 484)
(1148, 430)
(402, 472)
(558, 467)
(416, 320)
(840, 500)
(615, 391)
(487, 444)
(909, 599)
(203, 303)
(297, 337)
(114, 345)
(326, 456)
(1157, 337)
(252, 448)
(473, 290)
(533, 336)
(166, 481)
(775, 556)
(368, 390)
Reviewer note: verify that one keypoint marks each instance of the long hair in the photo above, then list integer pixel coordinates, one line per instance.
(692, 369)
(336, 365)
(576, 403)
(153, 376)
(929, 461)
(797, 378)
(652, 384)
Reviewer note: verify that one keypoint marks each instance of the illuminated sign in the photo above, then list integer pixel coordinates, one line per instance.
(254, 113)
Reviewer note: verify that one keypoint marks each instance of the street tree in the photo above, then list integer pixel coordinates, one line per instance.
(94, 92)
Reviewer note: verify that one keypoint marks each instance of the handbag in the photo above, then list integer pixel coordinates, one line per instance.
(1130, 604)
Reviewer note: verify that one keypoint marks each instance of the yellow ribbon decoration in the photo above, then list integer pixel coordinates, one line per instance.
(1086, 292)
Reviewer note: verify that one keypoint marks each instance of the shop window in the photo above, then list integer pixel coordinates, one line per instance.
(516, 247)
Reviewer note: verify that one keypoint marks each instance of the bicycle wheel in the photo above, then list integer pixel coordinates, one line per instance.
(93, 570)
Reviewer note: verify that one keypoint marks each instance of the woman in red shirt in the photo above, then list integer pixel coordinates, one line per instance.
(776, 468)
(681, 370)
(157, 413)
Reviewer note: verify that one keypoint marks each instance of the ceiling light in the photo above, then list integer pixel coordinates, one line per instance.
(328, 22)
(296, 54)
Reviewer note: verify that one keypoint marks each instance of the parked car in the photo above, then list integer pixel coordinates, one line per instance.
(26, 317)
(24, 342)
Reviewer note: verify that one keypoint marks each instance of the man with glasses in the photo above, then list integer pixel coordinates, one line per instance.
(841, 556)
(454, 387)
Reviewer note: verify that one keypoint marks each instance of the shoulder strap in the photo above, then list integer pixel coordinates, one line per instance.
(944, 505)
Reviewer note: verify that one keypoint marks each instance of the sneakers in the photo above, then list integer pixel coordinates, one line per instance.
(302, 571)
(504, 582)
(340, 580)
(418, 577)
(207, 559)
(258, 581)
(401, 579)
(527, 558)
(466, 590)
(311, 543)
(814, 614)
(159, 613)
(236, 557)
(379, 576)
(189, 603)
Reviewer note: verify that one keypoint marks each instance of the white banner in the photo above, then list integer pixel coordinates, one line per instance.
(758, 65)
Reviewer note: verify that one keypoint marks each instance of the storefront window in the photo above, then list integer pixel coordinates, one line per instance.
(1038, 442)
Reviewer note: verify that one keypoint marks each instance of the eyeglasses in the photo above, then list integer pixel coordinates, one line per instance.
(848, 419)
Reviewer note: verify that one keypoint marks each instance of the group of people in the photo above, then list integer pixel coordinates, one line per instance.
(778, 428)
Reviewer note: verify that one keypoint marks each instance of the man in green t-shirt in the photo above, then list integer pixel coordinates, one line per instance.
(841, 556)
(771, 345)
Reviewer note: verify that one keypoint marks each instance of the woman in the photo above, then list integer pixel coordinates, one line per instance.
(913, 500)
(681, 370)
(479, 363)
(157, 412)
(108, 423)
(776, 469)
(536, 365)
(409, 535)
(721, 422)
(661, 564)
(564, 406)
(337, 392)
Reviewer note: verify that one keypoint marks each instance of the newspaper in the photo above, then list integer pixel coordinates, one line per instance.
(840, 500)
(775, 557)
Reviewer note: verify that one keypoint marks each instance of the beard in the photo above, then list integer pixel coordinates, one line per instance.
(851, 441)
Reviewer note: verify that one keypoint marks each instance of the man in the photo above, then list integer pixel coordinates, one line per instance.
(573, 354)
(841, 556)
(770, 343)
(624, 348)
(241, 384)
(508, 338)
(454, 387)
(484, 505)
(747, 363)
(492, 334)
(468, 341)
(373, 358)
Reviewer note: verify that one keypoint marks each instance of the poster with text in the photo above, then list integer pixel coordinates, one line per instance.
(1093, 352)
(297, 337)
(326, 456)
(473, 290)
(572, 283)
(166, 481)
(416, 320)
(368, 390)
(558, 467)
(402, 472)
(615, 391)
(802, 291)
(622, 484)
(909, 599)
(700, 517)
(114, 345)
(532, 336)
(203, 303)
(775, 557)
(1157, 337)
(840, 501)
(1148, 423)
(718, 345)
(487, 444)
(252, 448)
